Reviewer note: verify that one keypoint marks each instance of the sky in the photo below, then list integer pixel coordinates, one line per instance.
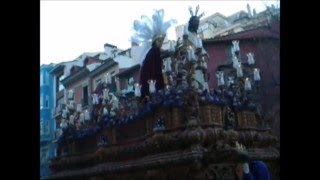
(70, 28)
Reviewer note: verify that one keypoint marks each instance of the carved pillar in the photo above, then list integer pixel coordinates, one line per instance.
(216, 115)
(205, 114)
(220, 171)
(176, 117)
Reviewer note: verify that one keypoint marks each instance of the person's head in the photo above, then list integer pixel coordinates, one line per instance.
(193, 24)
(194, 19)
(157, 41)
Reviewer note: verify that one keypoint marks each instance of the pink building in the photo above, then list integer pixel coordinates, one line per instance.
(264, 42)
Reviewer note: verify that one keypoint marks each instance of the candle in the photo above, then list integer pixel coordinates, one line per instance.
(63, 124)
(70, 94)
(236, 45)
(71, 105)
(64, 113)
(206, 87)
(167, 89)
(65, 96)
(199, 43)
(106, 94)
(171, 46)
(95, 99)
(220, 78)
(114, 101)
(81, 117)
(235, 62)
(152, 86)
(105, 111)
(204, 63)
(247, 84)
(239, 71)
(189, 54)
(250, 58)
(167, 65)
(108, 78)
(256, 74)
(230, 80)
(87, 115)
(193, 57)
(137, 90)
(71, 120)
(79, 106)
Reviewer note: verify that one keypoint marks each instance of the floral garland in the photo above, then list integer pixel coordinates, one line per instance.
(168, 98)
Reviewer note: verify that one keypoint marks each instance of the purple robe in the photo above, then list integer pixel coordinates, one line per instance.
(151, 69)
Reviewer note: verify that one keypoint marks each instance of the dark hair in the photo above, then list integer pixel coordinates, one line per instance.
(191, 26)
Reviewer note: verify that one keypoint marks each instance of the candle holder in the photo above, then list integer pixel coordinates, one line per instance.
(243, 80)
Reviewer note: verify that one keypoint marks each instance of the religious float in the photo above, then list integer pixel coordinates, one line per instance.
(183, 131)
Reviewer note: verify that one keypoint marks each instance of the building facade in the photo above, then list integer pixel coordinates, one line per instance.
(178, 134)
(81, 77)
(217, 24)
(47, 125)
(62, 72)
(264, 43)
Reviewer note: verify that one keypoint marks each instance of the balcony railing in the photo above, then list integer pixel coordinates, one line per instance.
(60, 94)
(84, 102)
(58, 109)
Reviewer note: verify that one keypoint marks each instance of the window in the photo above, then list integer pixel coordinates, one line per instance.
(59, 102)
(113, 86)
(71, 94)
(43, 156)
(41, 79)
(46, 78)
(47, 128)
(85, 95)
(61, 87)
(57, 84)
(41, 127)
(47, 101)
(54, 125)
(55, 152)
(97, 82)
(41, 101)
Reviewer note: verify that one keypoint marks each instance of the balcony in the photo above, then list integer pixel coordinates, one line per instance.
(60, 94)
(58, 110)
(84, 102)
(58, 133)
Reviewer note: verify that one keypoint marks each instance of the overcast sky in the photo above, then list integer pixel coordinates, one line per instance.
(70, 28)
